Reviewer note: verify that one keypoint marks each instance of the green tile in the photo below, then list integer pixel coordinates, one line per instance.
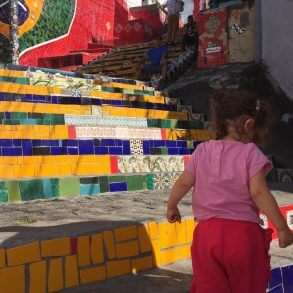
(150, 181)
(135, 182)
(47, 188)
(10, 121)
(166, 123)
(31, 189)
(19, 115)
(28, 121)
(173, 123)
(57, 120)
(69, 186)
(104, 183)
(151, 122)
(117, 179)
(190, 144)
(13, 191)
(3, 192)
(164, 151)
(54, 187)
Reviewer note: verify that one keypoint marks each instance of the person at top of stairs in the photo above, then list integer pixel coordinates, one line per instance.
(158, 61)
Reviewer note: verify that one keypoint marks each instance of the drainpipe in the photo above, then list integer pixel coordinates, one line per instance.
(258, 31)
(14, 41)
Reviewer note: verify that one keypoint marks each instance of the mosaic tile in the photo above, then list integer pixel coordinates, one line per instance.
(136, 147)
(69, 186)
(145, 164)
(89, 189)
(3, 192)
(31, 189)
(165, 181)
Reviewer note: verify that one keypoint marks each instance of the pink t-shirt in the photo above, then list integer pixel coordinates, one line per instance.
(222, 169)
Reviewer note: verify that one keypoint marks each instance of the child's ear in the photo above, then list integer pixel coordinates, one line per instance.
(249, 123)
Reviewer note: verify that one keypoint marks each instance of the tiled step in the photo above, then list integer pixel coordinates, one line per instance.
(46, 188)
(13, 167)
(15, 118)
(54, 147)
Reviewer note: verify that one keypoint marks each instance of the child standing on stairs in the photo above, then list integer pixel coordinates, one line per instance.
(230, 249)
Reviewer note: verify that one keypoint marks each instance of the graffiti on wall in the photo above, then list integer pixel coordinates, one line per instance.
(241, 33)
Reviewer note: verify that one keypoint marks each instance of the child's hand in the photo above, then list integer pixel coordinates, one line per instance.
(285, 238)
(173, 215)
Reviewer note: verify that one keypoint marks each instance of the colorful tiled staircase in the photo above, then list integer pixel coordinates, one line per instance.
(62, 135)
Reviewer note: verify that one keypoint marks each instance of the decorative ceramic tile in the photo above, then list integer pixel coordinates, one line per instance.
(144, 164)
(136, 147)
(97, 111)
(290, 219)
(264, 221)
(165, 180)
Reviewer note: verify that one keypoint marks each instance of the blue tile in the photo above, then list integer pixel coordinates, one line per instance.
(146, 147)
(184, 152)
(72, 151)
(120, 186)
(173, 151)
(171, 144)
(29, 97)
(17, 142)
(159, 143)
(6, 143)
(276, 278)
(37, 142)
(86, 147)
(15, 151)
(89, 189)
(182, 143)
(101, 150)
(50, 143)
(126, 147)
(278, 289)
(118, 142)
(7, 115)
(108, 142)
(70, 143)
(58, 151)
(287, 273)
(115, 150)
(54, 100)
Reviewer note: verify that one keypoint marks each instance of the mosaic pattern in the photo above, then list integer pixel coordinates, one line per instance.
(59, 13)
(136, 147)
(282, 280)
(161, 181)
(147, 164)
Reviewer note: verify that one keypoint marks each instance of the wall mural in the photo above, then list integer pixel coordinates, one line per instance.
(39, 21)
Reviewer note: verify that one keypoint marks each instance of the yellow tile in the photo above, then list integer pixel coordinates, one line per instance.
(109, 244)
(118, 268)
(83, 251)
(55, 278)
(97, 249)
(92, 275)
(46, 170)
(127, 249)
(190, 225)
(156, 252)
(55, 247)
(23, 254)
(142, 263)
(125, 233)
(8, 160)
(181, 232)
(2, 258)
(169, 256)
(6, 171)
(153, 228)
(184, 251)
(12, 280)
(24, 171)
(89, 169)
(65, 169)
(144, 239)
(38, 277)
(167, 234)
(71, 271)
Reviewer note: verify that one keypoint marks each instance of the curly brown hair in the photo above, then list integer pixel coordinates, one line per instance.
(238, 106)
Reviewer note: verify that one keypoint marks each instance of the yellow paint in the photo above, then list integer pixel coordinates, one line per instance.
(92, 275)
(142, 263)
(55, 279)
(12, 280)
(169, 256)
(38, 277)
(97, 250)
(145, 244)
(156, 252)
(71, 271)
(55, 247)
(2, 258)
(127, 249)
(190, 225)
(167, 233)
(23, 254)
(108, 238)
(83, 251)
(125, 233)
(181, 232)
(118, 268)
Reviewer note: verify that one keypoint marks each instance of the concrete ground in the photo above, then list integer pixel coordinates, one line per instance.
(44, 219)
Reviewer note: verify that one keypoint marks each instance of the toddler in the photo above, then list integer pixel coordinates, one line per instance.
(230, 248)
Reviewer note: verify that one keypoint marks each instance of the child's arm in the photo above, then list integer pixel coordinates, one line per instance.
(179, 190)
(266, 202)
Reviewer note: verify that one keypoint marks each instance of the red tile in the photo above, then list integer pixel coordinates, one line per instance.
(163, 133)
(114, 164)
(186, 159)
(71, 131)
(73, 245)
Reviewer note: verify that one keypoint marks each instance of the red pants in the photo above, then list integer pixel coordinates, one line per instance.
(230, 257)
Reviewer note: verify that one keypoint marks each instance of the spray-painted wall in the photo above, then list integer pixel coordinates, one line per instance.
(277, 41)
